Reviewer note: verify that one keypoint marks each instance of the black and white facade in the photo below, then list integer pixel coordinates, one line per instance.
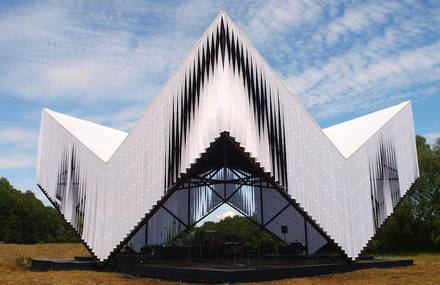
(225, 129)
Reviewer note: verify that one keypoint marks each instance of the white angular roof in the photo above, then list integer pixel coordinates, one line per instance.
(349, 136)
(101, 140)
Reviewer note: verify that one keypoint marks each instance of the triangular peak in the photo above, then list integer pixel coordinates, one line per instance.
(101, 140)
(350, 135)
(221, 50)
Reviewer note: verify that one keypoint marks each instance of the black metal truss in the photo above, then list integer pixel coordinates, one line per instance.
(199, 167)
(208, 181)
(252, 175)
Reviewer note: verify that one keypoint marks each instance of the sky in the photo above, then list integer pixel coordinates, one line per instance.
(105, 61)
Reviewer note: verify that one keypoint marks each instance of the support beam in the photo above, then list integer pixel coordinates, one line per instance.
(174, 216)
(224, 170)
(261, 204)
(306, 236)
(215, 193)
(196, 222)
(146, 233)
(276, 215)
(235, 191)
(189, 207)
(255, 222)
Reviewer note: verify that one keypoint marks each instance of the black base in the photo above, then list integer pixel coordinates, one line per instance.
(216, 272)
(77, 263)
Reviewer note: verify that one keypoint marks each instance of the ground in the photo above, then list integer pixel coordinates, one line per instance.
(425, 271)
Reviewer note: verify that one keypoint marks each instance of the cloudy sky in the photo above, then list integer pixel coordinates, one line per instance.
(106, 60)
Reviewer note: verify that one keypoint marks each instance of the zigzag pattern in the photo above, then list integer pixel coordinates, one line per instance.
(346, 180)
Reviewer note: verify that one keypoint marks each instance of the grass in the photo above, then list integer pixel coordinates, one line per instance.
(13, 273)
(425, 271)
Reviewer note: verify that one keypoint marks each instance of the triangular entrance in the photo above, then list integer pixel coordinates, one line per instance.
(226, 174)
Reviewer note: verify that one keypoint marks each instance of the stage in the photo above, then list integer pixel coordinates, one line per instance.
(222, 271)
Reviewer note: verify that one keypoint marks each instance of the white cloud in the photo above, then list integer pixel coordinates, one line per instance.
(333, 54)
(17, 161)
(271, 25)
(431, 138)
(17, 147)
(225, 214)
(356, 19)
(343, 82)
(117, 53)
(123, 119)
(280, 16)
(14, 135)
(29, 24)
(379, 52)
(68, 54)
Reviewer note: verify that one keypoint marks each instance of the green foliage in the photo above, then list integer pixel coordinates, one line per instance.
(415, 224)
(242, 229)
(24, 219)
(24, 261)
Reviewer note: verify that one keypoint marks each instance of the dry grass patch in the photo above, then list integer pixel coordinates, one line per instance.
(425, 271)
(12, 273)
(9, 253)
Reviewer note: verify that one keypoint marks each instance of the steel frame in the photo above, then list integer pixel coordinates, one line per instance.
(208, 181)
(263, 176)
(244, 179)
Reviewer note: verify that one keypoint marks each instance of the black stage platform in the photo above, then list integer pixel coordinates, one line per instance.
(224, 271)
(76, 263)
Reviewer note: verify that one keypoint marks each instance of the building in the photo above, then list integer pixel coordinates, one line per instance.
(226, 129)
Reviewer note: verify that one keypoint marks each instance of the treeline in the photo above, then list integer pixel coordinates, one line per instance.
(415, 224)
(238, 228)
(24, 219)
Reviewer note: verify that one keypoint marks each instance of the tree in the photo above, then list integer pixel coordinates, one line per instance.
(240, 228)
(24, 218)
(415, 224)
(426, 192)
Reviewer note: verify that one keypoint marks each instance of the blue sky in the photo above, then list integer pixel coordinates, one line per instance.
(105, 60)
